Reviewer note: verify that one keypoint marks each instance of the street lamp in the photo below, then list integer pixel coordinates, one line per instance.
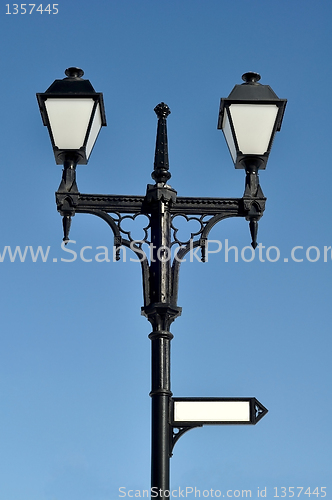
(74, 114)
(249, 117)
(251, 111)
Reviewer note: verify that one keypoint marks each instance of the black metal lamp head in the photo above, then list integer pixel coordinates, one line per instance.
(74, 114)
(249, 118)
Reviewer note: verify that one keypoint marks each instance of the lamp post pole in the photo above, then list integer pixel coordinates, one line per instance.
(160, 312)
(161, 205)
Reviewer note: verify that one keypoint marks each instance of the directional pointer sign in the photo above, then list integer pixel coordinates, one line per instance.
(192, 412)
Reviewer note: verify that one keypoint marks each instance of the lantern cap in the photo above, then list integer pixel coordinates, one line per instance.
(251, 77)
(72, 84)
(251, 90)
(74, 72)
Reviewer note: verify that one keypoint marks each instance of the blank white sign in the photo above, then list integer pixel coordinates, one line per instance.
(211, 411)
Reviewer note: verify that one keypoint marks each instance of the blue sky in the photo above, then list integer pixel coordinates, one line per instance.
(75, 353)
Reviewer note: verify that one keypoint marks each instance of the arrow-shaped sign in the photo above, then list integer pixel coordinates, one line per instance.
(192, 412)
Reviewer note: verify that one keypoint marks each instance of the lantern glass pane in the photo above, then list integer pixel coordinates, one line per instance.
(94, 131)
(226, 128)
(253, 125)
(69, 120)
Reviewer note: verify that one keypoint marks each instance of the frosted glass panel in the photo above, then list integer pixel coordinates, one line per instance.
(69, 119)
(253, 125)
(228, 135)
(95, 128)
(211, 411)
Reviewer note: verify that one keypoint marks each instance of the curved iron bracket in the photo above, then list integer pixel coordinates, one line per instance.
(175, 436)
(192, 244)
(119, 241)
(207, 211)
(116, 229)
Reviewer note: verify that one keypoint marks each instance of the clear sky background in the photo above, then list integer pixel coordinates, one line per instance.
(75, 353)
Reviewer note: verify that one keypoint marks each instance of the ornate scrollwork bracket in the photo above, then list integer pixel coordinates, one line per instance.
(177, 432)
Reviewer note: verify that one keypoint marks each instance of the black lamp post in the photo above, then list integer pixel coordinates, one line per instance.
(249, 118)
